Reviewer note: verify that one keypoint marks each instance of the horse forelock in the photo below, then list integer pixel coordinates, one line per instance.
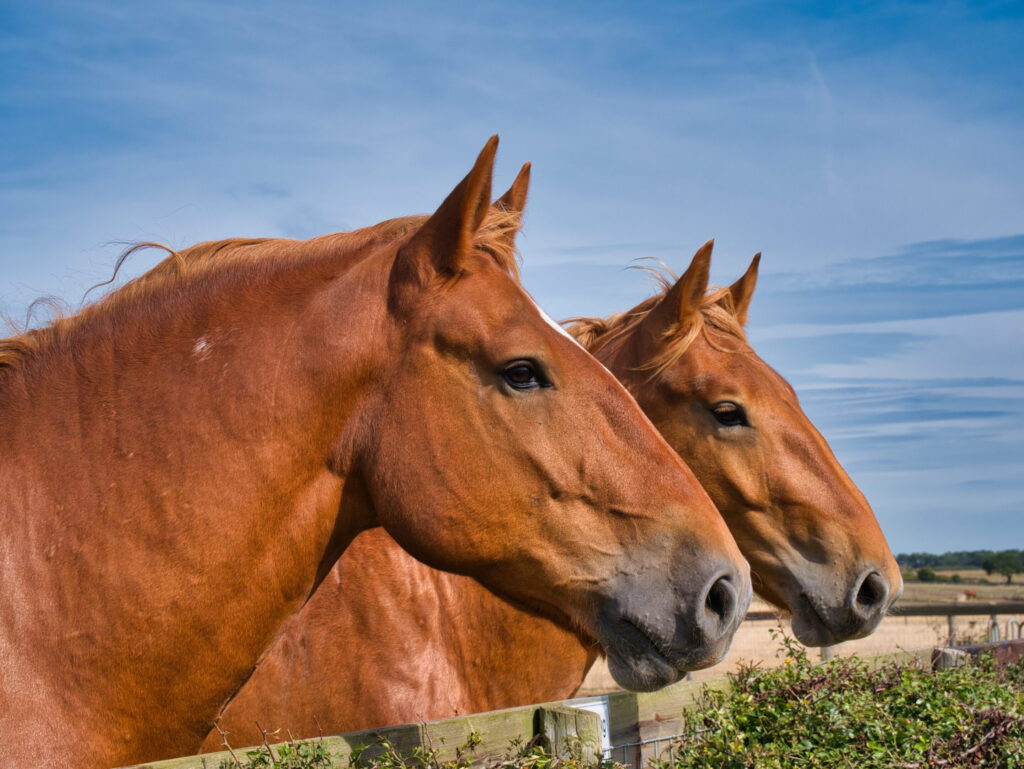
(716, 322)
(182, 269)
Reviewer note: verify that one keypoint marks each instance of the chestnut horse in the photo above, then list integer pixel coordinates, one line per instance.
(431, 645)
(184, 461)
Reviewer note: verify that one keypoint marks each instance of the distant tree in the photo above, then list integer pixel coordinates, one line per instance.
(956, 579)
(1007, 563)
(926, 574)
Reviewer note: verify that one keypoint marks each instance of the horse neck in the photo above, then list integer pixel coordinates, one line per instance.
(177, 456)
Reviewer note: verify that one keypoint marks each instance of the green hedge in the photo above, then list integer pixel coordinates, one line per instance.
(846, 714)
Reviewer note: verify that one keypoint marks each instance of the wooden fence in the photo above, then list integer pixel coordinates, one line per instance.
(994, 610)
(628, 727)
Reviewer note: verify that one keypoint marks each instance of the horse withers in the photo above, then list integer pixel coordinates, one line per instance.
(183, 462)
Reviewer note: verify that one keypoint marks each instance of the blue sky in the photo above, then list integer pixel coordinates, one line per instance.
(872, 151)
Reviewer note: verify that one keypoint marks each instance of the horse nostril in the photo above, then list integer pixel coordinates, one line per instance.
(872, 593)
(720, 600)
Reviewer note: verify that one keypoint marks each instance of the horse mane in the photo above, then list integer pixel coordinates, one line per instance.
(495, 238)
(716, 321)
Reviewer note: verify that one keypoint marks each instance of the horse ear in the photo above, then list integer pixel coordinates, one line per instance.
(742, 291)
(515, 198)
(514, 201)
(446, 238)
(683, 301)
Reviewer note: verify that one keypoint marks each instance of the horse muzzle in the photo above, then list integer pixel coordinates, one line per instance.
(818, 621)
(648, 649)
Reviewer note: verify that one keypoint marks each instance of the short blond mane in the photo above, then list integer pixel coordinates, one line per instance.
(495, 237)
(716, 321)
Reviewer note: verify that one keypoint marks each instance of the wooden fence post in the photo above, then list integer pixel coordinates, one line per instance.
(567, 732)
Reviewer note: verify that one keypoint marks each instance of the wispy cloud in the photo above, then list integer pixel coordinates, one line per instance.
(927, 280)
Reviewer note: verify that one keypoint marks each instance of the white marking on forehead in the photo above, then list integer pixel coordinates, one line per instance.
(556, 326)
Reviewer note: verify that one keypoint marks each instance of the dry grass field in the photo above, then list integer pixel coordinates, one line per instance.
(992, 588)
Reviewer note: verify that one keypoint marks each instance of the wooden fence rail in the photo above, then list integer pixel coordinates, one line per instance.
(553, 725)
(956, 609)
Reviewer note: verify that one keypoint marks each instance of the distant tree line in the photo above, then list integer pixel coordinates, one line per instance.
(954, 559)
(1004, 562)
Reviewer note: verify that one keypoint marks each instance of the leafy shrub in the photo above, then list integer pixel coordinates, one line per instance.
(846, 714)
(309, 754)
(926, 574)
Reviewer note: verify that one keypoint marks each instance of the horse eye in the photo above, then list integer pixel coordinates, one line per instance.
(730, 414)
(524, 375)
